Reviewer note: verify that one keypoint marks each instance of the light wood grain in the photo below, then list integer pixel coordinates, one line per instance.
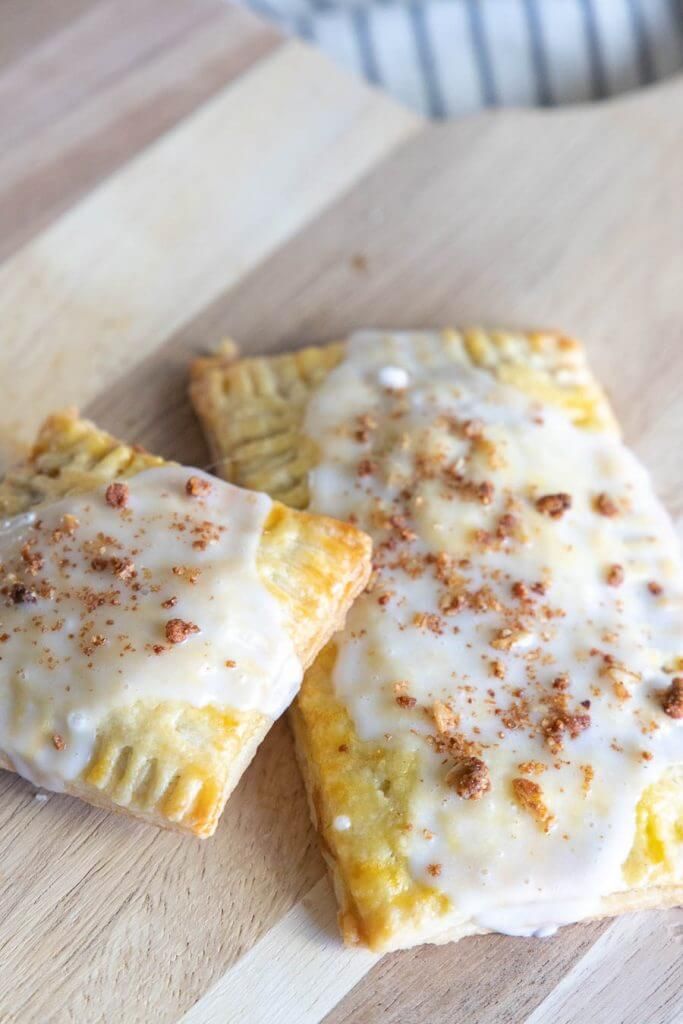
(642, 952)
(296, 972)
(242, 176)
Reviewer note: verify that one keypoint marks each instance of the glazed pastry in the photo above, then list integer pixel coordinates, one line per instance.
(494, 741)
(154, 622)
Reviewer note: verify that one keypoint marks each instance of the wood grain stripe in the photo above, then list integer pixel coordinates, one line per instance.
(26, 23)
(45, 173)
(296, 973)
(644, 954)
(159, 240)
(98, 48)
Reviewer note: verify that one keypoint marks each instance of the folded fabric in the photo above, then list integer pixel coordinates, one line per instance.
(445, 58)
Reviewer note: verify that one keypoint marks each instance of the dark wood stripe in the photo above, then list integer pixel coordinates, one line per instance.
(63, 159)
(476, 981)
(26, 23)
(89, 56)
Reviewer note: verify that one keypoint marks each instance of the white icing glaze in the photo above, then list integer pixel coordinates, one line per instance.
(385, 454)
(86, 632)
(342, 823)
(393, 377)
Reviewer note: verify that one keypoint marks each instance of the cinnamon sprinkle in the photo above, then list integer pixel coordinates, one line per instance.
(117, 495)
(672, 702)
(470, 778)
(177, 630)
(554, 505)
(197, 487)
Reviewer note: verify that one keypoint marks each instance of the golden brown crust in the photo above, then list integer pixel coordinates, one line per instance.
(252, 412)
(168, 763)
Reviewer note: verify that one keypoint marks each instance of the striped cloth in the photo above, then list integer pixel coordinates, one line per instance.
(444, 58)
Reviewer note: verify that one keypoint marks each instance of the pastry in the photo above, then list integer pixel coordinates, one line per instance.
(494, 742)
(154, 622)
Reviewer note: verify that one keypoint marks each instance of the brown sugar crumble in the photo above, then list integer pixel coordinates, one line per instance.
(469, 778)
(554, 505)
(615, 575)
(404, 701)
(177, 630)
(605, 506)
(672, 702)
(117, 495)
(529, 796)
(655, 588)
(434, 870)
(532, 767)
(58, 742)
(197, 487)
(588, 773)
(366, 467)
(445, 719)
(33, 560)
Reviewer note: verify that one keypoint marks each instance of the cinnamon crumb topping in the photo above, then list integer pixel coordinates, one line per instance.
(170, 602)
(434, 870)
(428, 621)
(554, 505)
(621, 692)
(177, 630)
(197, 487)
(445, 718)
(605, 506)
(404, 701)
(532, 767)
(230, 663)
(560, 724)
(588, 773)
(58, 742)
(472, 429)
(615, 575)
(497, 669)
(505, 639)
(20, 594)
(366, 467)
(469, 778)
(655, 588)
(507, 526)
(366, 424)
(33, 559)
(672, 702)
(529, 796)
(117, 495)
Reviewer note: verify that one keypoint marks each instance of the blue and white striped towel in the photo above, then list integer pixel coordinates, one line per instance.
(447, 57)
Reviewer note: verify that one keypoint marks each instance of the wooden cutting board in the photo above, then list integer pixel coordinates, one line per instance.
(173, 171)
